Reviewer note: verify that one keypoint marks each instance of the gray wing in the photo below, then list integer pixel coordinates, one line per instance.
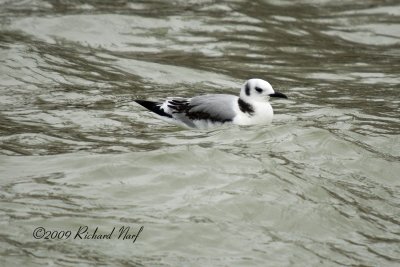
(216, 108)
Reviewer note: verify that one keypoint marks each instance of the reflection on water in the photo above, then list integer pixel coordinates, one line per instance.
(318, 187)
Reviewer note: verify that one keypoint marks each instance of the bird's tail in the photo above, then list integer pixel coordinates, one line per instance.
(154, 107)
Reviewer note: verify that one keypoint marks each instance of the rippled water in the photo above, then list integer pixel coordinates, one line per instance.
(318, 187)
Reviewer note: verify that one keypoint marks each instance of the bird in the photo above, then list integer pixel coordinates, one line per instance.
(251, 107)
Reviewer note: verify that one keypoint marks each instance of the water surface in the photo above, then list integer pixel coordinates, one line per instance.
(318, 187)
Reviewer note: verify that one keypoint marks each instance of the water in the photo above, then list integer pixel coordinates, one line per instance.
(318, 187)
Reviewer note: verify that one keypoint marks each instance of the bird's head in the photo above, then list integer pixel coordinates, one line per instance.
(258, 90)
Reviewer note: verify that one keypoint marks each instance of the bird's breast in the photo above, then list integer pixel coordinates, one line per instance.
(262, 114)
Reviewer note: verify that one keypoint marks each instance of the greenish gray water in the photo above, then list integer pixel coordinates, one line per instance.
(318, 187)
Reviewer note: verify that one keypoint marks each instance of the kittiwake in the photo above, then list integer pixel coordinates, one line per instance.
(249, 108)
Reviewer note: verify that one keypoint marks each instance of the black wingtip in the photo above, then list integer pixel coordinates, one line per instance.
(145, 103)
(153, 106)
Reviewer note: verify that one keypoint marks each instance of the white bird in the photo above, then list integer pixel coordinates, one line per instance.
(250, 107)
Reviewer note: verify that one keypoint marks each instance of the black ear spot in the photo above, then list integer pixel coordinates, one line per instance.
(247, 89)
(258, 89)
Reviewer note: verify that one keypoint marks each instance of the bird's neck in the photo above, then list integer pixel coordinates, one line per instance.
(245, 106)
(254, 112)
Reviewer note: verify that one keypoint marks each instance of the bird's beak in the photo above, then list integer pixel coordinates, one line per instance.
(277, 94)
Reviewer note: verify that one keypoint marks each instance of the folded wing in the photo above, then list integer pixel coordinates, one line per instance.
(213, 108)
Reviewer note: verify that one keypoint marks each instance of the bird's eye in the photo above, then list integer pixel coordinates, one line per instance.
(258, 89)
